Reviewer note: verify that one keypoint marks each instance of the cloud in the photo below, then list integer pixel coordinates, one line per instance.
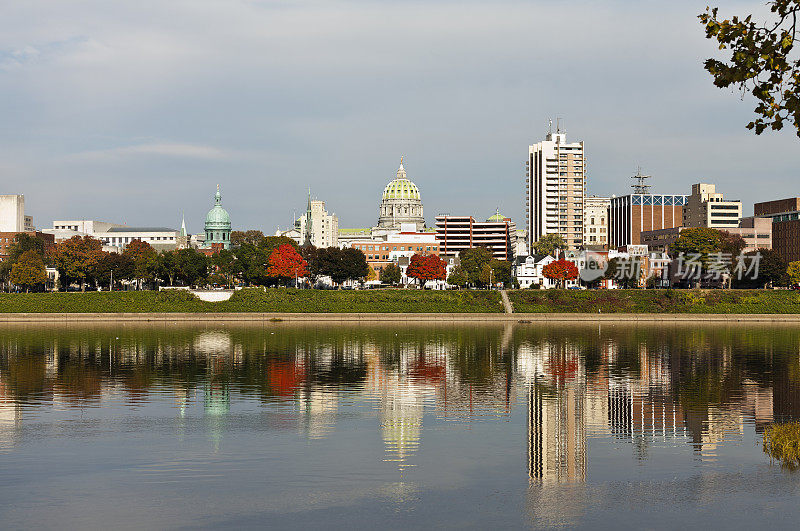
(190, 151)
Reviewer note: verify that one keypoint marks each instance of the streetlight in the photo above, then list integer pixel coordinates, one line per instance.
(111, 284)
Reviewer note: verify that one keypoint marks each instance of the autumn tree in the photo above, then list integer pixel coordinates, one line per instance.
(763, 61)
(391, 274)
(561, 271)
(145, 261)
(549, 244)
(76, 259)
(285, 263)
(28, 271)
(426, 267)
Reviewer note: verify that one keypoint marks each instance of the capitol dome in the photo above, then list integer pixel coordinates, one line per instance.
(218, 224)
(401, 203)
(497, 217)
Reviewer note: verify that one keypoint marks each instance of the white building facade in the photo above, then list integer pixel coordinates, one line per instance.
(555, 190)
(595, 221)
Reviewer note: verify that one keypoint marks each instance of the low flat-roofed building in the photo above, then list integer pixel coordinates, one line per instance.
(381, 252)
(114, 236)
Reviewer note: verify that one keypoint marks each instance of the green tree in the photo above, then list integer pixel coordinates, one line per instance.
(475, 262)
(549, 244)
(121, 265)
(458, 277)
(270, 243)
(225, 263)
(763, 61)
(25, 242)
(794, 272)
(340, 264)
(191, 267)
(391, 274)
(28, 271)
(700, 240)
(501, 272)
(253, 237)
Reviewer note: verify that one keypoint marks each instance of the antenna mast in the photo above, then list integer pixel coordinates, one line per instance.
(641, 186)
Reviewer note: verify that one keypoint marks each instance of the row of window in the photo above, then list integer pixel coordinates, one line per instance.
(364, 247)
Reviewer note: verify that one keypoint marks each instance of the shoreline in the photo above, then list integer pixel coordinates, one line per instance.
(354, 318)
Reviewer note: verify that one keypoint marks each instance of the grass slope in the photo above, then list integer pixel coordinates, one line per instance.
(655, 301)
(257, 300)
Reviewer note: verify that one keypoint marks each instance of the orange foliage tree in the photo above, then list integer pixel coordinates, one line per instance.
(425, 268)
(76, 259)
(560, 271)
(285, 264)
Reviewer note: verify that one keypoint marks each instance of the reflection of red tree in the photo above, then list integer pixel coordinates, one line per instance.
(562, 369)
(284, 378)
(427, 372)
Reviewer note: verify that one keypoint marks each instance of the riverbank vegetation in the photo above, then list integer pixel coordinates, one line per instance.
(287, 300)
(782, 443)
(655, 301)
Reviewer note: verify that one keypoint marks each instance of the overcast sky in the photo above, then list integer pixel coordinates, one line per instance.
(133, 111)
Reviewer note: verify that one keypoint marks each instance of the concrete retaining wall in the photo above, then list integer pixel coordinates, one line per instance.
(390, 317)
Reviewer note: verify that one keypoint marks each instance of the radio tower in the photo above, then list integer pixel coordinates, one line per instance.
(640, 187)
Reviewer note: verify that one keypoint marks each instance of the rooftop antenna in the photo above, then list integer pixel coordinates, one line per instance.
(550, 128)
(558, 125)
(641, 186)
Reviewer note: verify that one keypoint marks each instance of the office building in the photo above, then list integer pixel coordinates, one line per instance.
(317, 227)
(114, 236)
(785, 216)
(595, 222)
(555, 189)
(12, 214)
(707, 208)
(457, 233)
(755, 231)
(390, 248)
(632, 214)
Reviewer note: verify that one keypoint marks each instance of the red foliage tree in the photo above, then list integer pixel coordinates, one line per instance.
(560, 271)
(425, 268)
(285, 263)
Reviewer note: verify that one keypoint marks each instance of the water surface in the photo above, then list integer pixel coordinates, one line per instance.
(330, 426)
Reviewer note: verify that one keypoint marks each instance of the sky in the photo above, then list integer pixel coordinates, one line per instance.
(133, 112)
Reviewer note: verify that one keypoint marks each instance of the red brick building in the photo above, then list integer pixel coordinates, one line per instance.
(7, 239)
(785, 214)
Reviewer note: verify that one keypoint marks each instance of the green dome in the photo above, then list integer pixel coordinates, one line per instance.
(497, 216)
(217, 217)
(401, 187)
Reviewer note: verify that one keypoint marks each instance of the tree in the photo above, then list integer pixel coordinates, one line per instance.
(732, 244)
(340, 264)
(391, 274)
(191, 266)
(475, 262)
(270, 243)
(25, 242)
(28, 271)
(225, 263)
(426, 267)
(701, 241)
(145, 260)
(549, 244)
(763, 61)
(76, 259)
(560, 271)
(501, 272)
(285, 263)
(253, 237)
(794, 272)
(251, 264)
(458, 277)
(772, 270)
(121, 265)
(624, 271)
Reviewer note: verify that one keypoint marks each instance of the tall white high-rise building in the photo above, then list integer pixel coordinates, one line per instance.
(555, 189)
(318, 227)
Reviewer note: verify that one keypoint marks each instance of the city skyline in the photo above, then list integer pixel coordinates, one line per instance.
(129, 116)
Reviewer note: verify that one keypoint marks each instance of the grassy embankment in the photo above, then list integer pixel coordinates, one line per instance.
(257, 300)
(411, 301)
(655, 301)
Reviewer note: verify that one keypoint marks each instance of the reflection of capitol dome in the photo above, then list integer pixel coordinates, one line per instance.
(401, 203)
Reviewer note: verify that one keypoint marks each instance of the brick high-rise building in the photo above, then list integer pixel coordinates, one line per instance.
(555, 189)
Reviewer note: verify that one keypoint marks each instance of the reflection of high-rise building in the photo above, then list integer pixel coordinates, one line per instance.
(10, 424)
(556, 433)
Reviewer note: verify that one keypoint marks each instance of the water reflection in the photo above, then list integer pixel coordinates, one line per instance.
(645, 387)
